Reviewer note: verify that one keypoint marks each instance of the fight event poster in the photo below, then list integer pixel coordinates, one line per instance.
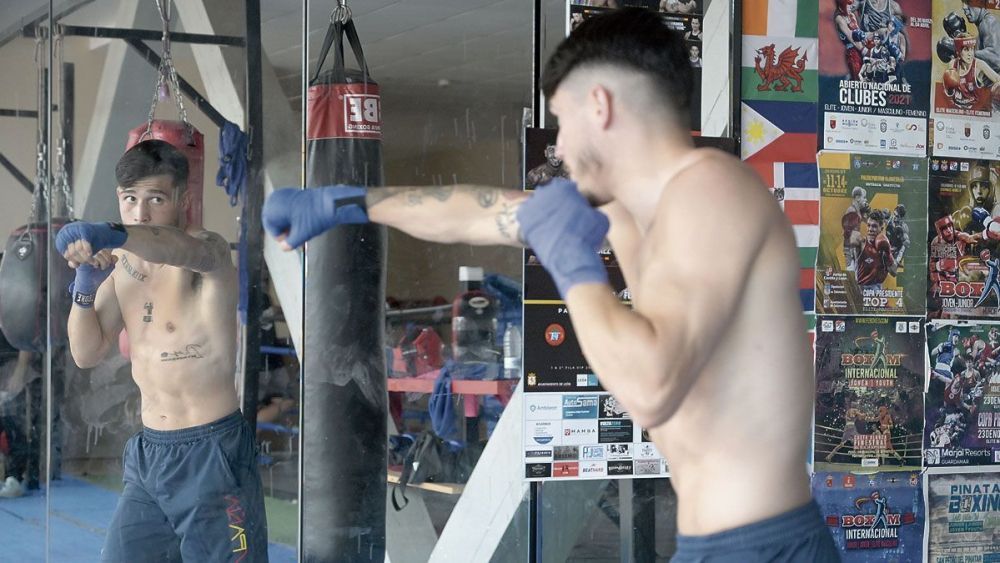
(872, 258)
(869, 401)
(963, 517)
(963, 263)
(962, 410)
(874, 75)
(876, 517)
(965, 73)
(573, 429)
(684, 16)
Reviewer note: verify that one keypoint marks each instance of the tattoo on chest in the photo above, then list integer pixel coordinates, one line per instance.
(190, 352)
(130, 269)
(148, 317)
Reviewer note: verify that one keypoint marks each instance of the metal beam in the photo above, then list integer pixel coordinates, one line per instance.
(29, 113)
(16, 173)
(149, 35)
(22, 26)
(154, 59)
(253, 202)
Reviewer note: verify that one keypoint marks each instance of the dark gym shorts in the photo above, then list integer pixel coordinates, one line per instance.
(798, 535)
(191, 495)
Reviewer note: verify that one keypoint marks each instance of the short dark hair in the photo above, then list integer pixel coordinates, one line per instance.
(633, 38)
(152, 158)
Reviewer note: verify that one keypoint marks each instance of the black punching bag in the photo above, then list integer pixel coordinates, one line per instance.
(344, 421)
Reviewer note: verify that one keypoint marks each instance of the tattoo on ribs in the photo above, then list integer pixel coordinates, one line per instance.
(131, 271)
(148, 317)
(190, 352)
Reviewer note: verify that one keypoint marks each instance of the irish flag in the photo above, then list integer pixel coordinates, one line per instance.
(781, 18)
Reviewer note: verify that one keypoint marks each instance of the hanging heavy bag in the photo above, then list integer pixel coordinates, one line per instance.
(345, 401)
(191, 143)
(24, 287)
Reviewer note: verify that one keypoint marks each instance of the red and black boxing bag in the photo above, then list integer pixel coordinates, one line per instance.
(24, 287)
(345, 400)
(191, 143)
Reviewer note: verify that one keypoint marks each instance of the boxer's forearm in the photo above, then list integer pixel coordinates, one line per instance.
(466, 214)
(173, 247)
(629, 354)
(87, 343)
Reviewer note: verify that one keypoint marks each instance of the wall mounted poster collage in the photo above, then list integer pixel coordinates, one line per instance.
(907, 282)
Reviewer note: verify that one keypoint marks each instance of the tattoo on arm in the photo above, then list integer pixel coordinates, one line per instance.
(487, 197)
(507, 224)
(441, 193)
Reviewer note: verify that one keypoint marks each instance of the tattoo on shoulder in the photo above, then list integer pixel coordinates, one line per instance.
(131, 270)
(190, 352)
(487, 197)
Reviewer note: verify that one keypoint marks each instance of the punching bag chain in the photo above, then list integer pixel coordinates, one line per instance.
(39, 199)
(167, 73)
(341, 13)
(61, 178)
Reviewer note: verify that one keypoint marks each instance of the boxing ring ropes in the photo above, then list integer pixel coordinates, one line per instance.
(908, 446)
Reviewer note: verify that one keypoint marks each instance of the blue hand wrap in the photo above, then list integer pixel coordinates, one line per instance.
(88, 279)
(99, 235)
(565, 232)
(304, 214)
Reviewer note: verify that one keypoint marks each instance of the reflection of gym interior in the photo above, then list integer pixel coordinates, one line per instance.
(419, 458)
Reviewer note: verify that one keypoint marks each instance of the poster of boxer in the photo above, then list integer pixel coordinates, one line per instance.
(876, 517)
(869, 393)
(874, 75)
(872, 258)
(966, 79)
(963, 517)
(963, 239)
(684, 16)
(962, 411)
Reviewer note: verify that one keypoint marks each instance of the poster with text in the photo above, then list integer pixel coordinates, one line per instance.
(869, 393)
(965, 84)
(874, 75)
(963, 263)
(962, 411)
(684, 16)
(963, 517)
(872, 258)
(876, 517)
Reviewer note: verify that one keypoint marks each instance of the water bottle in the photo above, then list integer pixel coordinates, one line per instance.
(512, 352)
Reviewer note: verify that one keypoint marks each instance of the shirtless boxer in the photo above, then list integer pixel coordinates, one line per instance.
(692, 360)
(192, 491)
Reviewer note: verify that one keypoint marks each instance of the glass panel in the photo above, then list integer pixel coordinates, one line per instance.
(23, 342)
(168, 319)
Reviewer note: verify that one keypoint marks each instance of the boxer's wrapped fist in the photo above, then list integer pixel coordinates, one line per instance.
(565, 232)
(294, 216)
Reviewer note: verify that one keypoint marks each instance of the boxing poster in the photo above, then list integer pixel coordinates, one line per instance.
(684, 16)
(872, 258)
(869, 402)
(963, 266)
(874, 75)
(962, 410)
(963, 517)
(874, 517)
(965, 72)
(573, 429)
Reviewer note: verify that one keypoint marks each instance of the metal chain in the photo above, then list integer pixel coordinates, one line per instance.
(166, 72)
(341, 13)
(61, 177)
(40, 191)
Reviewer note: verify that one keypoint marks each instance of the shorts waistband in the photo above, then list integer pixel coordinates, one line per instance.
(794, 524)
(193, 433)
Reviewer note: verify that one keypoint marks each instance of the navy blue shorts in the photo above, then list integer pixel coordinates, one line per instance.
(799, 535)
(190, 495)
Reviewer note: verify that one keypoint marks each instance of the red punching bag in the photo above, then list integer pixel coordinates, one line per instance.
(185, 138)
